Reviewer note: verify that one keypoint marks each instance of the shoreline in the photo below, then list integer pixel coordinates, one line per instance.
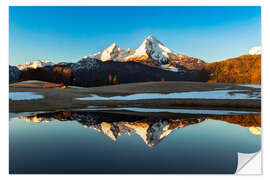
(64, 99)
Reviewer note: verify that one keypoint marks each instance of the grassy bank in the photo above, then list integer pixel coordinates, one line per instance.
(60, 99)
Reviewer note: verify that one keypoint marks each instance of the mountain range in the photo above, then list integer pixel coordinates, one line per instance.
(151, 52)
(151, 61)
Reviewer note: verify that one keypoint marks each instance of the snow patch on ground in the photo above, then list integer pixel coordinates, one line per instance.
(182, 111)
(77, 87)
(218, 94)
(32, 81)
(187, 111)
(14, 96)
(251, 85)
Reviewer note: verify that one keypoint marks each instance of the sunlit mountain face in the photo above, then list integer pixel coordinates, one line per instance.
(151, 129)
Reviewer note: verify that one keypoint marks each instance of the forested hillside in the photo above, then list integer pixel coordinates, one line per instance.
(244, 69)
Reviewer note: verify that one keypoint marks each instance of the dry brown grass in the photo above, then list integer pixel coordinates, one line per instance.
(65, 98)
(61, 86)
(48, 85)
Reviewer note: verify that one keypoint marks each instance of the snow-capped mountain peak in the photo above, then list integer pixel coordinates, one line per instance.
(110, 53)
(154, 49)
(35, 64)
(156, 42)
(255, 50)
(150, 48)
(151, 51)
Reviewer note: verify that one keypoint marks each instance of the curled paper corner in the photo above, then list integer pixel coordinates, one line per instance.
(249, 163)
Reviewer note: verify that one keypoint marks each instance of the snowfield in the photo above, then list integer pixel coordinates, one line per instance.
(218, 94)
(14, 96)
(32, 81)
(251, 85)
(168, 68)
(183, 111)
(77, 87)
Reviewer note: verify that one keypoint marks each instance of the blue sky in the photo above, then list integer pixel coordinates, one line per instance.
(69, 33)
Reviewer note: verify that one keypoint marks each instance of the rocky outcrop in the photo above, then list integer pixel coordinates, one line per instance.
(14, 73)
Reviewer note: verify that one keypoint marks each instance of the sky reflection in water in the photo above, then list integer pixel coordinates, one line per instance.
(96, 142)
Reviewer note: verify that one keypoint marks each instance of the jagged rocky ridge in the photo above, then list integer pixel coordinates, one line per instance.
(151, 52)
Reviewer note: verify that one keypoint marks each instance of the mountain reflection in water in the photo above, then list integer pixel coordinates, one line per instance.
(152, 129)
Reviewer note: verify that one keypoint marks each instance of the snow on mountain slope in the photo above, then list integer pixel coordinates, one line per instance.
(257, 50)
(111, 53)
(152, 48)
(169, 68)
(35, 64)
(153, 53)
(85, 64)
(108, 54)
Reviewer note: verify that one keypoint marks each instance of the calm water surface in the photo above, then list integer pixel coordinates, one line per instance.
(102, 142)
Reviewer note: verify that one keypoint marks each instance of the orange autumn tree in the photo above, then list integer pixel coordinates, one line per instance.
(163, 79)
(115, 79)
(110, 79)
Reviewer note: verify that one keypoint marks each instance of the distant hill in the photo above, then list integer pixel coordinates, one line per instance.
(244, 69)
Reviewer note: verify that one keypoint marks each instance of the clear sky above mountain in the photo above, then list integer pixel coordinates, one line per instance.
(69, 33)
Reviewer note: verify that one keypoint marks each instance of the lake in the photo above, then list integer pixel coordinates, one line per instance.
(115, 142)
